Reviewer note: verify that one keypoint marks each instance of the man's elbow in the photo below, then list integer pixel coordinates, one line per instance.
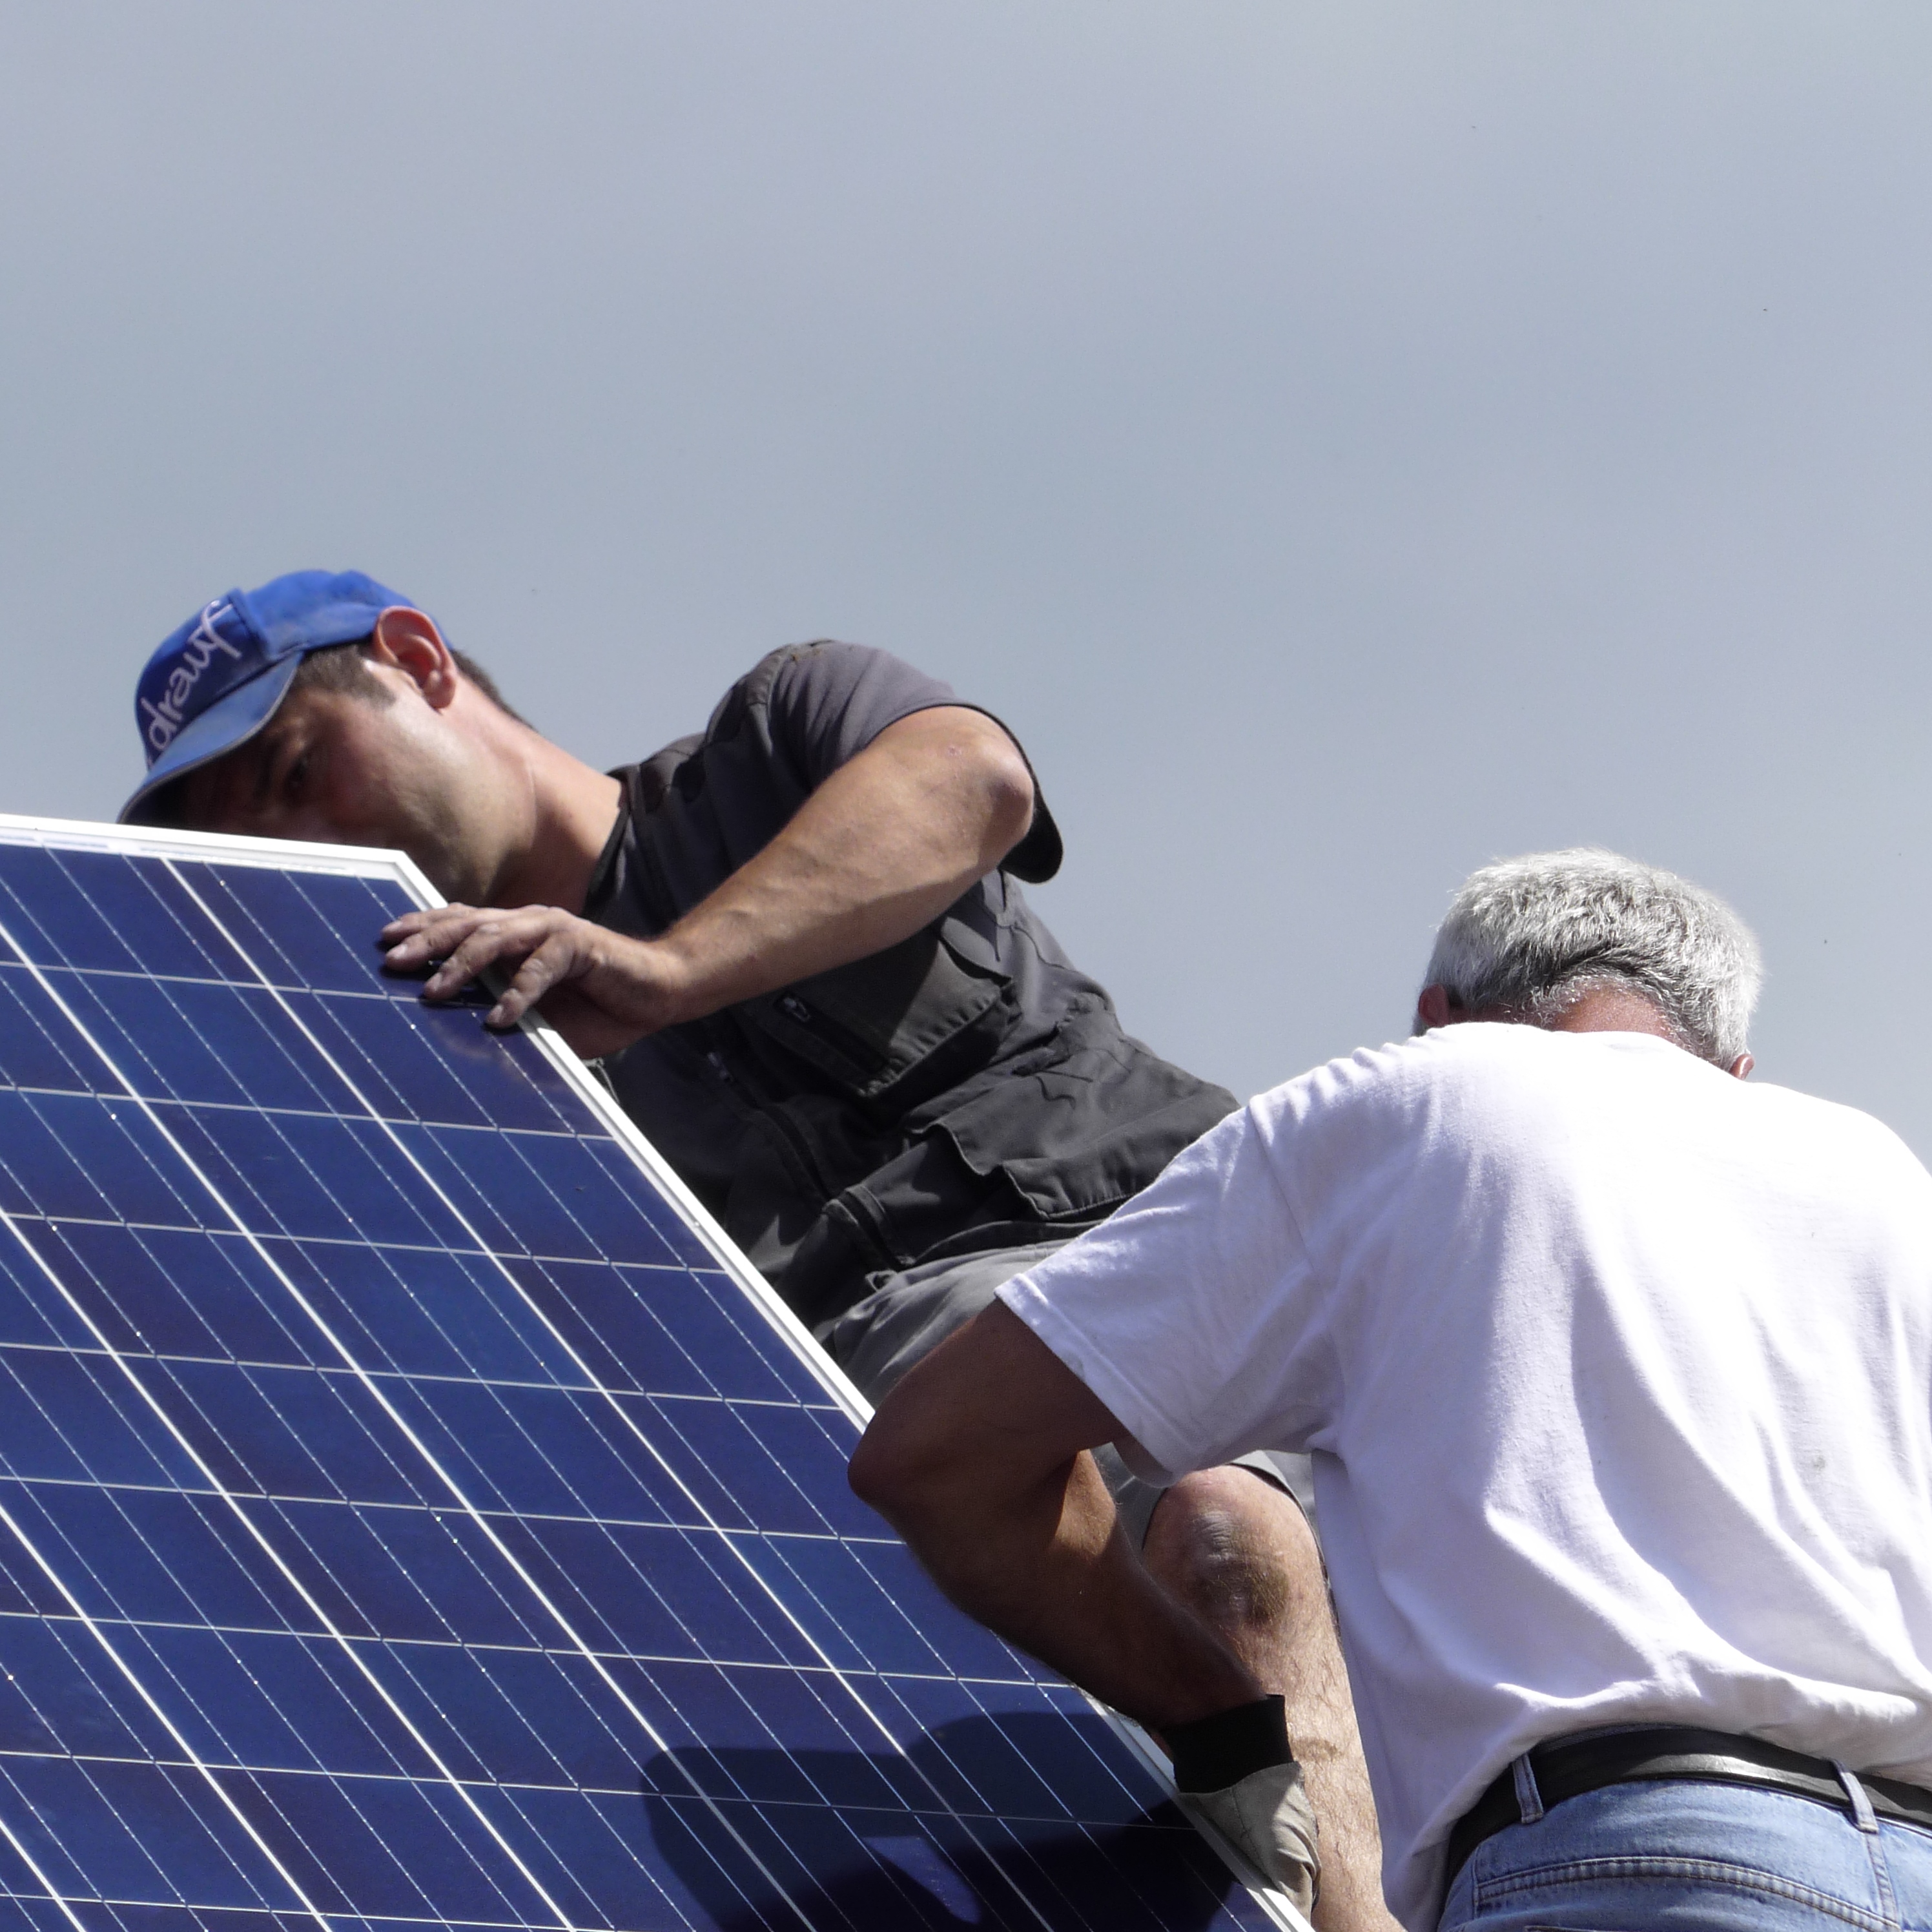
(893, 1469)
(999, 783)
(1009, 792)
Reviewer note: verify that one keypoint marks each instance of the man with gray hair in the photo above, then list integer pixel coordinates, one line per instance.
(1528, 939)
(1614, 1372)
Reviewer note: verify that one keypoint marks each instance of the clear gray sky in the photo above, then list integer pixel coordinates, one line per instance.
(1346, 444)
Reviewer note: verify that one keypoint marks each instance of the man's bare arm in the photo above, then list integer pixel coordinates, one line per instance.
(976, 1458)
(882, 847)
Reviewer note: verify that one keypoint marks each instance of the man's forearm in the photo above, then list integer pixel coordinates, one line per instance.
(880, 850)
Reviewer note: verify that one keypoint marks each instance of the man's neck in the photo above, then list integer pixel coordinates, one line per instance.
(572, 808)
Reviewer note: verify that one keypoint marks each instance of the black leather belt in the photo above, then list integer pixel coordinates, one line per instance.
(1566, 1767)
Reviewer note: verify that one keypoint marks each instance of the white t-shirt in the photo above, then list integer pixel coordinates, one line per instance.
(1617, 1375)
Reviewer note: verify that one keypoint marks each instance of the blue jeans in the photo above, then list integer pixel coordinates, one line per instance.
(1681, 1855)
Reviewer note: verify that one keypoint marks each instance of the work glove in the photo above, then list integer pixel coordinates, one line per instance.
(1235, 1771)
(1266, 1817)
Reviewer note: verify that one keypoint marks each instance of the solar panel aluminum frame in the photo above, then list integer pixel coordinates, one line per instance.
(397, 867)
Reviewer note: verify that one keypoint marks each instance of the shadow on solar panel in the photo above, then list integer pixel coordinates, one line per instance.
(411, 1511)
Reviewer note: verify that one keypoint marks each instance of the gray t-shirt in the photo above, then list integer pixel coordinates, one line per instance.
(966, 1089)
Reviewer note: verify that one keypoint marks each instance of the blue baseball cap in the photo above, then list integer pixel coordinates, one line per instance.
(219, 679)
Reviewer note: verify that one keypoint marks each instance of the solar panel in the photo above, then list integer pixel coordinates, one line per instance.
(414, 1512)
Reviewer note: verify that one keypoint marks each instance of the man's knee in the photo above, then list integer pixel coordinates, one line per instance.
(1230, 1544)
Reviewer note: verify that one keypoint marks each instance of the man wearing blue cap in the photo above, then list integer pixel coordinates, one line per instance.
(796, 942)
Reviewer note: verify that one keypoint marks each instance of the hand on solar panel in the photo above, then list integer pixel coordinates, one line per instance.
(600, 990)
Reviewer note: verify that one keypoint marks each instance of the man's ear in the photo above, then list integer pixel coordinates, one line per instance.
(1431, 1008)
(407, 640)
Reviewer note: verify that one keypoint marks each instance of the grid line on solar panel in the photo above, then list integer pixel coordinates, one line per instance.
(807, 1570)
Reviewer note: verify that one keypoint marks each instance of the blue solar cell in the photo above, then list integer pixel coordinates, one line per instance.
(42, 1915)
(122, 891)
(79, 1829)
(30, 1027)
(461, 1516)
(305, 1175)
(322, 1836)
(970, 1652)
(228, 1711)
(170, 1029)
(474, 1434)
(26, 1588)
(544, 1453)
(608, 1223)
(617, 1339)
(712, 1878)
(426, 1312)
(814, 1445)
(586, 1857)
(117, 1148)
(716, 1454)
(221, 960)
(287, 1433)
(92, 1541)
(200, 1850)
(277, 913)
(499, 1193)
(49, 922)
(740, 1354)
(66, 1417)
(523, 1054)
(168, 1291)
(448, 1069)
(150, 1557)
(459, 1866)
(343, 1729)
(347, 1162)
(55, 1699)
(29, 1312)
(342, 1565)
(38, 1175)
(829, 1593)
(448, 1695)
(22, 1727)
(686, 1250)
(119, 1010)
(380, 1046)
(582, 1571)
(451, 1558)
(568, 1700)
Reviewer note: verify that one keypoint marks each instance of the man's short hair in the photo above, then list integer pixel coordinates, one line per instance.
(1529, 936)
(345, 667)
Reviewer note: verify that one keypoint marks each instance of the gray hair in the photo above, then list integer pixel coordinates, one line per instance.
(1531, 935)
